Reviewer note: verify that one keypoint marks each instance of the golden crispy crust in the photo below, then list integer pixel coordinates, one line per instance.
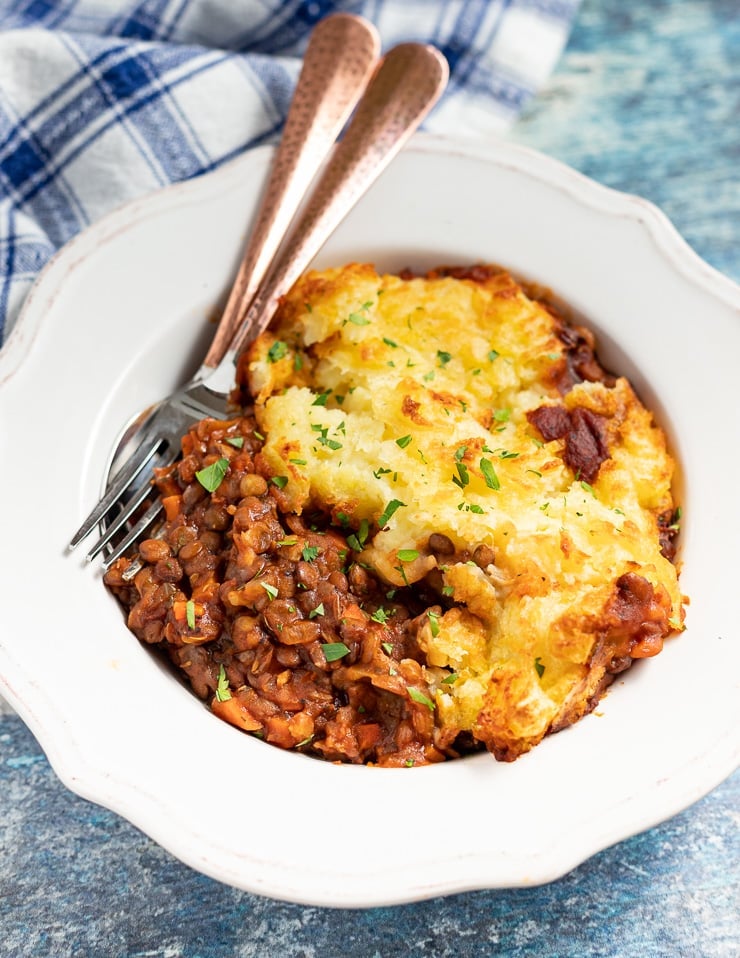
(476, 414)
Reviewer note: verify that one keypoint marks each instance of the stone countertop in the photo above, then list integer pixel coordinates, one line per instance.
(647, 100)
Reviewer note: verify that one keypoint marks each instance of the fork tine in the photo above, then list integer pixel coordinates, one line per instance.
(141, 526)
(123, 478)
(120, 520)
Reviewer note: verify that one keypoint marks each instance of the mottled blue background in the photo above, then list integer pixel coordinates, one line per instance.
(646, 99)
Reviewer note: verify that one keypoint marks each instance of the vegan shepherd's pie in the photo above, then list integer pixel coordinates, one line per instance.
(438, 524)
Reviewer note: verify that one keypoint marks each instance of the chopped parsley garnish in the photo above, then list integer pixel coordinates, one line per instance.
(356, 540)
(505, 454)
(478, 510)
(277, 351)
(419, 697)
(489, 474)
(319, 610)
(309, 553)
(460, 453)
(501, 415)
(334, 650)
(452, 677)
(403, 441)
(433, 623)
(448, 590)
(587, 487)
(236, 441)
(222, 689)
(380, 472)
(443, 357)
(389, 342)
(407, 555)
(298, 362)
(190, 613)
(539, 667)
(428, 377)
(320, 400)
(358, 319)
(212, 476)
(280, 481)
(298, 462)
(269, 589)
(387, 647)
(463, 476)
(535, 472)
(390, 508)
(493, 354)
(380, 615)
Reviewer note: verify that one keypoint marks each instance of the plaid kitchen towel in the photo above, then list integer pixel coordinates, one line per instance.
(101, 101)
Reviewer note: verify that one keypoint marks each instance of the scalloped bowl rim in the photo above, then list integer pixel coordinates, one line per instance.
(458, 864)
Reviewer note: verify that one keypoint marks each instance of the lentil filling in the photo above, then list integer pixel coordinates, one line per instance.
(273, 622)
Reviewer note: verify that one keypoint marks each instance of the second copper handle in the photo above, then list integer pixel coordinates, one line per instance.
(338, 62)
(407, 84)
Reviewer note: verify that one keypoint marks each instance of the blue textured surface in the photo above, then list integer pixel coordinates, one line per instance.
(647, 99)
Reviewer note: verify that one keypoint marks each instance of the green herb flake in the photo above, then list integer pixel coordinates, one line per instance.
(269, 589)
(319, 610)
(409, 763)
(463, 476)
(478, 510)
(286, 542)
(297, 362)
(419, 697)
(320, 400)
(277, 351)
(389, 342)
(387, 647)
(236, 441)
(407, 555)
(403, 441)
(390, 508)
(334, 650)
(310, 553)
(443, 357)
(535, 472)
(212, 476)
(489, 474)
(380, 615)
(539, 667)
(428, 377)
(358, 319)
(298, 462)
(587, 487)
(380, 472)
(222, 689)
(190, 613)
(460, 453)
(501, 415)
(448, 590)
(280, 481)
(450, 679)
(433, 623)
(493, 354)
(357, 540)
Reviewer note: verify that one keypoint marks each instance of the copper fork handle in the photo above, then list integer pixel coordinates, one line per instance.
(338, 63)
(408, 82)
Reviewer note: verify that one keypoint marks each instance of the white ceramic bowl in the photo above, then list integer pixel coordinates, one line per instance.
(117, 320)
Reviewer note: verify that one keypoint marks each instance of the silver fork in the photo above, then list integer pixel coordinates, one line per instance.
(408, 82)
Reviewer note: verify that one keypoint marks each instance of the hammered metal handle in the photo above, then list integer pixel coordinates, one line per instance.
(339, 60)
(408, 82)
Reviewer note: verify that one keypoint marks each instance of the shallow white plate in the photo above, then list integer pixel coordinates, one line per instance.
(117, 320)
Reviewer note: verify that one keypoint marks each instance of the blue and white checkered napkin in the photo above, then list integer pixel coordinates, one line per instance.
(101, 101)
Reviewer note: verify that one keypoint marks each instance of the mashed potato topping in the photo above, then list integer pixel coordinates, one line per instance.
(466, 436)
